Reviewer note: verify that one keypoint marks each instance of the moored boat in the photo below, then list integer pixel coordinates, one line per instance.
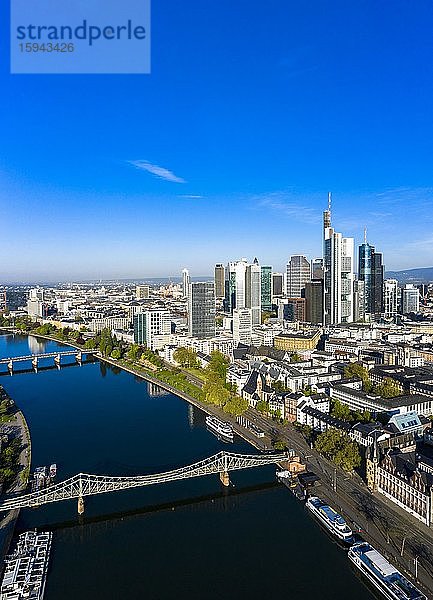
(221, 429)
(382, 574)
(330, 519)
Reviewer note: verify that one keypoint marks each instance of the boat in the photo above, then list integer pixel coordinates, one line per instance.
(382, 574)
(330, 519)
(221, 429)
(53, 470)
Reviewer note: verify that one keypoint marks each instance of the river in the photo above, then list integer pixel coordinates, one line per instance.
(185, 540)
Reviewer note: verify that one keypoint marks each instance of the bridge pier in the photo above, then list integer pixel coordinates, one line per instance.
(35, 363)
(11, 367)
(225, 478)
(57, 359)
(80, 505)
(79, 358)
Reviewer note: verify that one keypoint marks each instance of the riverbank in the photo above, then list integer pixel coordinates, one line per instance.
(209, 409)
(7, 525)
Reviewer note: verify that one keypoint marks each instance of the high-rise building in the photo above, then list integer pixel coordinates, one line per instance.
(409, 299)
(151, 324)
(185, 282)
(266, 288)
(142, 292)
(314, 301)
(317, 268)
(359, 303)
(243, 287)
(338, 254)
(242, 326)
(291, 309)
(370, 271)
(298, 274)
(253, 291)
(390, 298)
(219, 281)
(277, 284)
(201, 309)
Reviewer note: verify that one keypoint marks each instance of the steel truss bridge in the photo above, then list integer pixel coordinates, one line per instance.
(82, 485)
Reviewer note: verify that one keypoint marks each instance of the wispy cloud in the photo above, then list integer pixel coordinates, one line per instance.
(156, 170)
(289, 205)
(191, 196)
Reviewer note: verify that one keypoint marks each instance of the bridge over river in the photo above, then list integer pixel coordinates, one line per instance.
(35, 358)
(83, 484)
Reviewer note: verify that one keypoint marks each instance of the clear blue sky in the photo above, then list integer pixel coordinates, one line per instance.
(252, 112)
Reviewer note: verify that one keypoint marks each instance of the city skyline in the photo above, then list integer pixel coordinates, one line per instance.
(240, 140)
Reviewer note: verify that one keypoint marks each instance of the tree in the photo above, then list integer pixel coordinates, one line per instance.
(338, 447)
(117, 353)
(186, 358)
(388, 388)
(279, 386)
(262, 406)
(279, 445)
(134, 352)
(341, 411)
(218, 364)
(358, 370)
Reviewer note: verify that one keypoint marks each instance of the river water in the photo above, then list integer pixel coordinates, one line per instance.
(185, 540)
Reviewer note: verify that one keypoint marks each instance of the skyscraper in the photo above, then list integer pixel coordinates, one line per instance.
(314, 301)
(219, 281)
(242, 326)
(277, 284)
(317, 268)
(409, 299)
(185, 282)
(298, 274)
(253, 291)
(266, 291)
(370, 271)
(201, 309)
(243, 287)
(390, 298)
(150, 324)
(338, 273)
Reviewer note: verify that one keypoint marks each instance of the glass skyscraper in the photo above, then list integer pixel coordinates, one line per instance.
(370, 271)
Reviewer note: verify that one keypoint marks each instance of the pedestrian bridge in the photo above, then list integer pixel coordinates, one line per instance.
(82, 485)
(35, 358)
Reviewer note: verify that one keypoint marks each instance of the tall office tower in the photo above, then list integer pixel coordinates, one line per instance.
(185, 282)
(242, 326)
(219, 281)
(235, 285)
(298, 274)
(37, 294)
(370, 271)
(277, 284)
(390, 298)
(317, 268)
(142, 292)
(253, 291)
(149, 324)
(338, 273)
(359, 300)
(266, 285)
(314, 301)
(409, 299)
(201, 309)
(291, 309)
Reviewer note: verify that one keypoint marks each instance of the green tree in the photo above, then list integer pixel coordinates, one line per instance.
(134, 352)
(341, 411)
(279, 445)
(338, 447)
(117, 353)
(262, 406)
(218, 364)
(387, 389)
(358, 370)
(186, 358)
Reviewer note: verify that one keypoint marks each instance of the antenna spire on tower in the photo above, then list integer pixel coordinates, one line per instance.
(365, 235)
(329, 201)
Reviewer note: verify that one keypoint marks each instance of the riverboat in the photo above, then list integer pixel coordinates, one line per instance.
(221, 429)
(382, 574)
(26, 569)
(53, 470)
(330, 519)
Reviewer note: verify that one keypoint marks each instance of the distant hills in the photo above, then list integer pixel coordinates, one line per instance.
(423, 275)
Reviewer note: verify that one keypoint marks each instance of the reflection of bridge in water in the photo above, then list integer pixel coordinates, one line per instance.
(82, 485)
(34, 359)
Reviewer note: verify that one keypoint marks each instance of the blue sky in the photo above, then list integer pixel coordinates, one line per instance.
(252, 113)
